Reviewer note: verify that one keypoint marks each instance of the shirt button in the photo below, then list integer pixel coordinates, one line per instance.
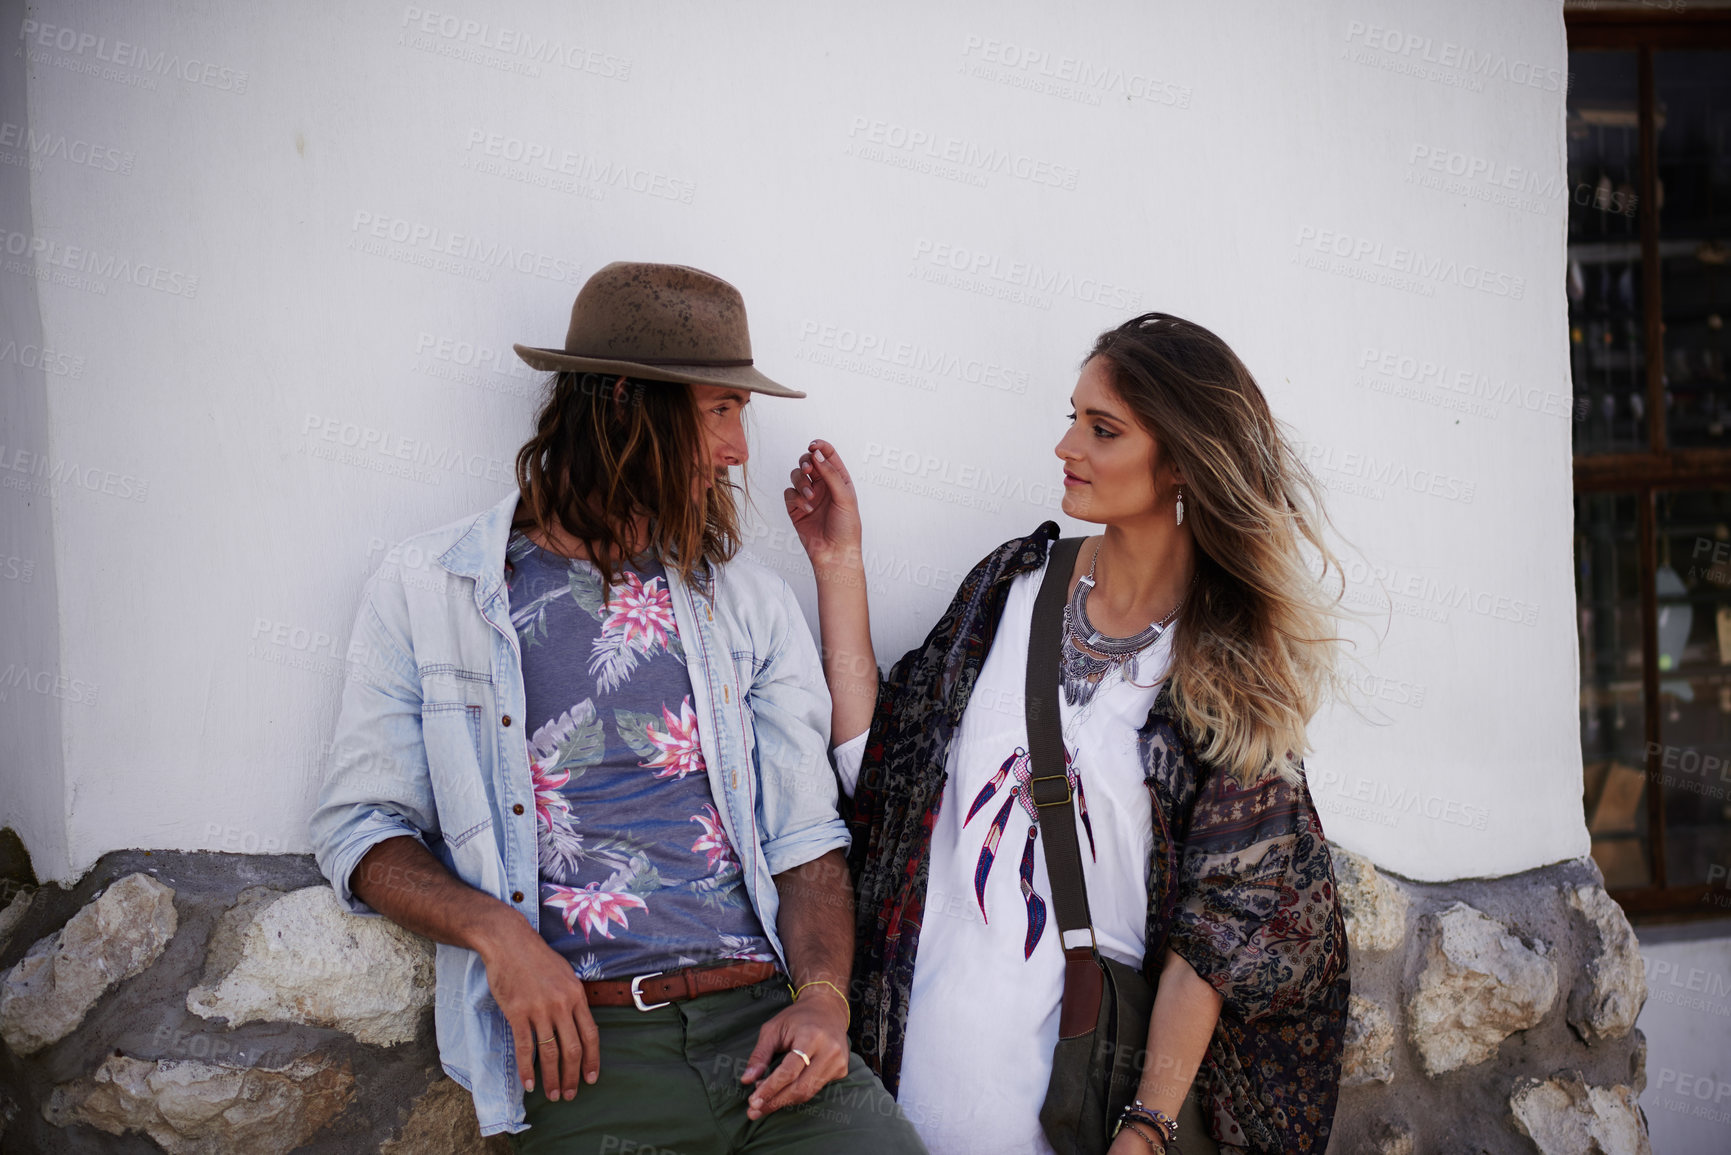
(505, 721)
(517, 809)
(516, 896)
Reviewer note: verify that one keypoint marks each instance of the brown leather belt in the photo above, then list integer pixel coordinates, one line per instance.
(659, 988)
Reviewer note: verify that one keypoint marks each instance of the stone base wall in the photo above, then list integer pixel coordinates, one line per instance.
(1491, 1016)
(204, 1003)
(218, 1003)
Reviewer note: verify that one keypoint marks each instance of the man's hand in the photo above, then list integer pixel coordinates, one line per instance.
(543, 1000)
(815, 1024)
(541, 997)
(816, 922)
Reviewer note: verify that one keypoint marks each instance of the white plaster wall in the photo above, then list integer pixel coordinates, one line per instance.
(1198, 159)
(32, 778)
(1688, 1010)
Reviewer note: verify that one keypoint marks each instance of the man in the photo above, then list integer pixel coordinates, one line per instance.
(586, 753)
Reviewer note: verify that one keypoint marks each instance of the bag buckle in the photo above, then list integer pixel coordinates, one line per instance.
(1072, 940)
(1064, 778)
(637, 993)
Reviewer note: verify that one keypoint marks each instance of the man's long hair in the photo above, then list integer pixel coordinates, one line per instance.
(608, 450)
(1254, 652)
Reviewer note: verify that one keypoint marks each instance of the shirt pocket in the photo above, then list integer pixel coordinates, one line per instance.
(456, 705)
(445, 725)
(461, 727)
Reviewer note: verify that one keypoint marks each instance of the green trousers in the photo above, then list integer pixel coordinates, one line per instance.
(670, 1085)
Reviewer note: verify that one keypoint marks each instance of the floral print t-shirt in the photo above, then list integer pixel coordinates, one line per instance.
(637, 874)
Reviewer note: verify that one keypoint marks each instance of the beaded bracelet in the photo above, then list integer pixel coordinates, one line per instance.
(1167, 1125)
(1146, 1138)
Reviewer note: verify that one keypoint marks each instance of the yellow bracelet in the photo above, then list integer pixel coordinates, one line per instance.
(826, 983)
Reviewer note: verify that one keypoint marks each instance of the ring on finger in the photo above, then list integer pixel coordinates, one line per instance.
(548, 1043)
(801, 1054)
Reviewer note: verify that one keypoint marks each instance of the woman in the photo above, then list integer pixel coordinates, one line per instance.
(1197, 647)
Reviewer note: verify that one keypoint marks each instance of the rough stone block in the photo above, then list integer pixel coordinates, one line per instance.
(194, 1108)
(1610, 989)
(1480, 984)
(1369, 1054)
(116, 936)
(1564, 1116)
(1375, 907)
(13, 914)
(301, 958)
(1394, 1139)
(442, 1122)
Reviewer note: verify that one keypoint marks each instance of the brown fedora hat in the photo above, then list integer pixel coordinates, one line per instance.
(661, 323)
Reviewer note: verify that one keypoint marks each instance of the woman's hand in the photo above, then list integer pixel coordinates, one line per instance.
(823, 507)
(825, 514)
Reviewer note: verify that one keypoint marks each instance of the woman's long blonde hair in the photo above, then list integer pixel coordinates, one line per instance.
(1254, 652)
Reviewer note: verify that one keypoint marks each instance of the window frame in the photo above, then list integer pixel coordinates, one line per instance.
(1645, 474)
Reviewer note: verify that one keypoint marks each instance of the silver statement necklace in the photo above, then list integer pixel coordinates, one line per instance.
(1087, 654)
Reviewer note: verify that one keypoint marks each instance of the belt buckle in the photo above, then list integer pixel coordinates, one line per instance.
(637, 993)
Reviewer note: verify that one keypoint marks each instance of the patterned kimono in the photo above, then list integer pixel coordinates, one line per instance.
(1240, 884)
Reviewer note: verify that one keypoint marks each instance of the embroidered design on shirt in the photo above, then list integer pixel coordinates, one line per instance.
(1019, 766)
(636, 619)
(559, 751)
(741, 947)
(591, 907)
(635, 622)
(713, 841)
(619, 779)
(716, 890)
(599, 904)
(670, 743)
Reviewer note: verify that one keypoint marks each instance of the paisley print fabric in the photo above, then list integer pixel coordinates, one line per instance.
(1241, 884)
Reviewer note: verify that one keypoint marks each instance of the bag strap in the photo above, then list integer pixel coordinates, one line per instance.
(1054, 802)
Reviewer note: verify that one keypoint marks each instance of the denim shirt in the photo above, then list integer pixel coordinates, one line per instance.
(430, 743)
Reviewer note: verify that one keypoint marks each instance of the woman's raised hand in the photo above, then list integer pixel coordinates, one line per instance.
(825, 512)
(824, 509)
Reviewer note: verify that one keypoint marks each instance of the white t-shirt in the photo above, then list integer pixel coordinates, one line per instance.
(983, 1013)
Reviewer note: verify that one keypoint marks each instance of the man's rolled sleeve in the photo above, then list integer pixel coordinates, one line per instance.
(378, 786)
(340, 863)
(790, 707)
(793, 850)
